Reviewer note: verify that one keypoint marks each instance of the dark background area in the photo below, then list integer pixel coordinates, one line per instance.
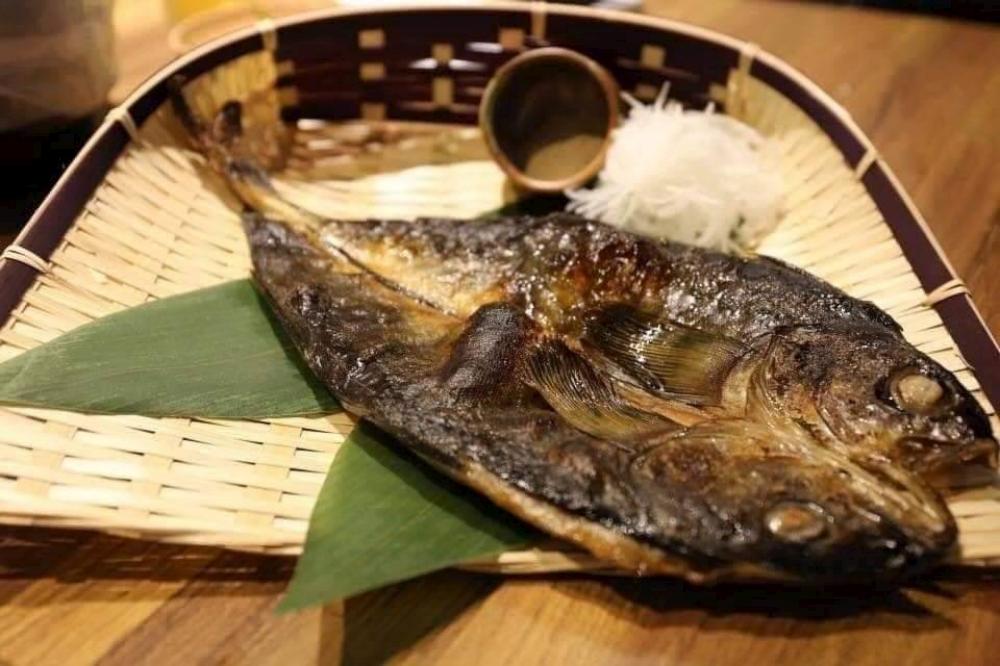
(31, 161)
(980, 10)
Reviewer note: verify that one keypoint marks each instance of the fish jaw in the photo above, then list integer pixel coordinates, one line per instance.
(943, 463)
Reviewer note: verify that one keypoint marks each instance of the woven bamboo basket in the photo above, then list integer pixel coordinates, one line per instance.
(379, 110)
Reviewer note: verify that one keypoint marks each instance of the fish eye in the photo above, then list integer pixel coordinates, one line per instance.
(796, 522)
(916, 393)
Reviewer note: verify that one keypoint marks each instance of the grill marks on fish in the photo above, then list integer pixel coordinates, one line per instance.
(672, 410)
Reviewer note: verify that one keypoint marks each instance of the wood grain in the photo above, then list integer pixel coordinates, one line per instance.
(926, 90)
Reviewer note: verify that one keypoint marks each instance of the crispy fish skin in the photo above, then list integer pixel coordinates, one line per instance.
(709, 500)
(835, 357)
(533, 260)
(672, 410)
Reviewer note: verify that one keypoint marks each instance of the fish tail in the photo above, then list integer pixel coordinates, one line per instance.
(220, 143)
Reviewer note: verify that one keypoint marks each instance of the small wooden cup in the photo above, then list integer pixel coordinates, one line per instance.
(547, 117)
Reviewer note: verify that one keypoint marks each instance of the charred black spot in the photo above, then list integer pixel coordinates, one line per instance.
(306, 299)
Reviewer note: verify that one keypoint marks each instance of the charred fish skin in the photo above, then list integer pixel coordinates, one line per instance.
(560, 267)
(586, 262)
(474, 343)
(704, 494)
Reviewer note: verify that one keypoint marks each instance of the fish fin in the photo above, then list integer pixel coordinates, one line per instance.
(222, 144)
(483, 362)
(672, 360)
(584, 397)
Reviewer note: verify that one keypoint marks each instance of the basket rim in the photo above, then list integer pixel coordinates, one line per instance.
(54, 216)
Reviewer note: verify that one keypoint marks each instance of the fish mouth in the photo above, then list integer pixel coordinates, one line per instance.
(945, 463)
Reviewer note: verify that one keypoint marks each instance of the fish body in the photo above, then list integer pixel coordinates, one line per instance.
(670, 409)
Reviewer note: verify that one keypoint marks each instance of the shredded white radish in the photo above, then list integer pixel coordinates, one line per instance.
(692, 176)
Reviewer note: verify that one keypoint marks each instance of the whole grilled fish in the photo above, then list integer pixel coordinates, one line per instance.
(668, 408)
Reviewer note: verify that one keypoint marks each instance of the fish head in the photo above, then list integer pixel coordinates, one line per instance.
(742, 491)
(878, 396)
(836, 524)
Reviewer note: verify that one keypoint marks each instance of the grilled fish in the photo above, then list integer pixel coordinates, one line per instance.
(670, 409)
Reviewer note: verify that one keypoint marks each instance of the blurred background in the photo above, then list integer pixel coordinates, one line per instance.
(63, 63)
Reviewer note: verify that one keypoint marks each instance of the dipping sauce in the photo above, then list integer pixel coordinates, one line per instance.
(547, 116)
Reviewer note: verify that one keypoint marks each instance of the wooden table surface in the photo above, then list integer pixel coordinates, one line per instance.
(927, 91)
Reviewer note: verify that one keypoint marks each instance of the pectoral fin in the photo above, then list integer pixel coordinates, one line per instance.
(674, 361)
(586, 398)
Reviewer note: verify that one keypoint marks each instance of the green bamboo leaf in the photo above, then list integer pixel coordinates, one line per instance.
(215, 352)
(382, 517)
